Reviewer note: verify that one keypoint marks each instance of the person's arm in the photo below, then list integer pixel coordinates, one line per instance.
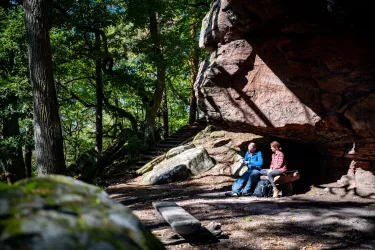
(258, 162)
(246, 159)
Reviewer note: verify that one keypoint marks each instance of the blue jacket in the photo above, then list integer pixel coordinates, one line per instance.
(255, 160)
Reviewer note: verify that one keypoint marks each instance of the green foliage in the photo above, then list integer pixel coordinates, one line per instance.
(129, 83)
(15, 90)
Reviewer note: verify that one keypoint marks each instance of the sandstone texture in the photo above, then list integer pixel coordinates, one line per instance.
(294, 69)
(58, 212)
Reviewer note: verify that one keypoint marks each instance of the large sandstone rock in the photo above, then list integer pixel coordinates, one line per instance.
(178, 150)
(180, 167)
(227, 148)
(296, 69)
(58, 212)
(150, 165)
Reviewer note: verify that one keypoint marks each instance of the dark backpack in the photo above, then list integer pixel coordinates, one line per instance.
(263, 189)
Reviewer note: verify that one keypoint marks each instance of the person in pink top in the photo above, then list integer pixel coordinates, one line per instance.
(278, 166)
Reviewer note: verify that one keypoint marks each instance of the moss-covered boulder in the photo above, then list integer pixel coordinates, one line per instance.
(58, 212)
(150, 165)
(178, 150)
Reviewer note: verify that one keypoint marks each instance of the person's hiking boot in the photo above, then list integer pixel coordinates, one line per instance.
(247, 194)
(232, 194)
(275, 193)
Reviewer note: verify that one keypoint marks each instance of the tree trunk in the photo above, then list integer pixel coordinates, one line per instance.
(48, 132)
(165, 110)
(154, 104)
(194, 61)
(28, 157)
(14, 164)
(99, 97)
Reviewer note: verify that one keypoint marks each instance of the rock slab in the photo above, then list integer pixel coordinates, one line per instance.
(180, 167)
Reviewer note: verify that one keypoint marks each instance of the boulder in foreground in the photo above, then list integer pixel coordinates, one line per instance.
(58, 212)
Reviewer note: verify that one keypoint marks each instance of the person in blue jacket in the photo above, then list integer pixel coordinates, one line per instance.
(245, 184)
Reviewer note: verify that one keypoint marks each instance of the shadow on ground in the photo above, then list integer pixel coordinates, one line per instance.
(317, 219)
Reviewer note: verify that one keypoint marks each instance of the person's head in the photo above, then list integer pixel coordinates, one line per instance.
(275, 146)
(252, 147)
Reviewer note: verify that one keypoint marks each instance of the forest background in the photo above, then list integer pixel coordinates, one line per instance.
(123, 72)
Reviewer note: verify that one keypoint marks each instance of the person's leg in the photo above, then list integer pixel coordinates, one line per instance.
(251, 182)
(264, 172)
(240, 182)
(271, 175)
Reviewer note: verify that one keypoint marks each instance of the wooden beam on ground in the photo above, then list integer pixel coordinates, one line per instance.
(180, 220)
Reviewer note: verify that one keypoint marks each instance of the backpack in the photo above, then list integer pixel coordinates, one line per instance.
(263, 189)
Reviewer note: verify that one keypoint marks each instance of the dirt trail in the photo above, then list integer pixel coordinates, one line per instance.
(317, 219)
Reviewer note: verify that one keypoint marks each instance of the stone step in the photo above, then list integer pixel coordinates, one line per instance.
(188, 130)
(173, 141)
(157, 152)
(142, 163)
(162, 144)
(180, 137)
(180, 220)
(149, 155)
(147, 158)
(166, 147)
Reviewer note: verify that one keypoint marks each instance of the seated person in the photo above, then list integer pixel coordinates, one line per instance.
(277, 168)
(247, 182)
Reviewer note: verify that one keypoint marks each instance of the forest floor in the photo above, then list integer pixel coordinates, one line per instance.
(318, 219)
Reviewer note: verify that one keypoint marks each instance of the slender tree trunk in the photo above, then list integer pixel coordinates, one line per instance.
(14, 164)
(47, 125)
(165, 108)
(194, 61)
(99, 97)
(28, 157)
(154, 104)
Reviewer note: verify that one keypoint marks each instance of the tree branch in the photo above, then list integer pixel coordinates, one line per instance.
(86, 104)
(122, 113)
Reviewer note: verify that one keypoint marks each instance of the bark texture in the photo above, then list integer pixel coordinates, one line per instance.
(47, 126)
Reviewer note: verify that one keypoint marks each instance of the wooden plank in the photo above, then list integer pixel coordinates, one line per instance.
(180, 220)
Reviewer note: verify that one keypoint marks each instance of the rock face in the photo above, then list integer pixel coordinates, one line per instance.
(180, 167)
(58, 212)
(226, 148)
(294, 69)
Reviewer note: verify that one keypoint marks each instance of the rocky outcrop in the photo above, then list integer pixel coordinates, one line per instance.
(226, 148)
(58, 212)
(295, 69)
(191, 162)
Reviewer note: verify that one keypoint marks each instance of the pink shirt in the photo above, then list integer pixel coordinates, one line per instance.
(278, 161)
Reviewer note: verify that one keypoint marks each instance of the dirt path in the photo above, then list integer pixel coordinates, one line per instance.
(314, 220)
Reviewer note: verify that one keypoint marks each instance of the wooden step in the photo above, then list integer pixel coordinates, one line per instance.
(180, 220)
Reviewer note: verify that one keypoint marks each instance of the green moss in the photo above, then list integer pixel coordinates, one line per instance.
(4, 186)
(12, 226)
(231, 154)
(149, 166)
(39, 187)
(237, 149)
(217, 134)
